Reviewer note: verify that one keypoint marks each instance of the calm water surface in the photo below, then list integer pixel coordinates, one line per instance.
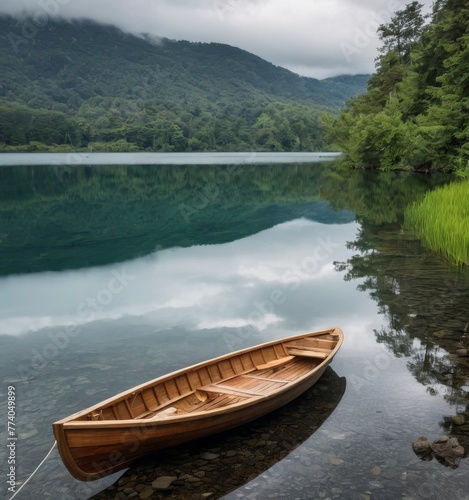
(111, 275)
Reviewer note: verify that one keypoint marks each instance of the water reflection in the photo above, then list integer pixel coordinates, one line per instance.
(262, 280)
(425, 303)
(55, 218)
(74, 338)
(255, 263)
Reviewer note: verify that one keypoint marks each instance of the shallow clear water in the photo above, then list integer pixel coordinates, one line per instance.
(116, 274)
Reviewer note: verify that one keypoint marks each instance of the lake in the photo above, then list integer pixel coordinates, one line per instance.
(116, 273)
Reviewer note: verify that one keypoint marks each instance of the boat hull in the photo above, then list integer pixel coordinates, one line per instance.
(91, 449)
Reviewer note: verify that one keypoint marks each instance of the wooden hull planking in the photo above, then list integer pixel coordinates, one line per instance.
(193, 403)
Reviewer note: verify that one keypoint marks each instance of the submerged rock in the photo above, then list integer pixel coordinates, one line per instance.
(446, 450)
(458, 420)
(163, 482)
(376, 470)
(422, 448)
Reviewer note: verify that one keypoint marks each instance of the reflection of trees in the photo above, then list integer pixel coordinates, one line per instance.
(430, 366)
(423, 300)
(60, 217)
(380, 197)
(395, 339)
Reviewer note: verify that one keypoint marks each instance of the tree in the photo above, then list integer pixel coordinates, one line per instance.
(403, 31)
(415, 113)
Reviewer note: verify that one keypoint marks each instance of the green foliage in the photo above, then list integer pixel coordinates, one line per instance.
(416, 111)
(92, 86)
(403, 31)
(441, 219)
(20, 124)
(116, 146)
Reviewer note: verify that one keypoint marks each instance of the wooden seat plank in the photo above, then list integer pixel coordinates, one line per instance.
(276, 363)
(278, 380)
(223, 389)
(307, 353)
(329, 344)
(167, 404)
(306, 347)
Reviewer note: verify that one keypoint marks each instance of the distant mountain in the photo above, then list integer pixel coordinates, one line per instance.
(85, 84)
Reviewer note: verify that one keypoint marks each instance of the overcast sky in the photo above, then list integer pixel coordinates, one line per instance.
(317, 38)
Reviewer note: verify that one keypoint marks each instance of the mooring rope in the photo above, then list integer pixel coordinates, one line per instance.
(34, 472)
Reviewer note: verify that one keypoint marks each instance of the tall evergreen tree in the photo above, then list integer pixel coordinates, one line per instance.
(403, 31)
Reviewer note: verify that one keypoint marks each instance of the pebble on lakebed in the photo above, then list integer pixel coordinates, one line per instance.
(163, 482)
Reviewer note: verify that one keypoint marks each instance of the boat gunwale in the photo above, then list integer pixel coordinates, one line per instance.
(71, 421)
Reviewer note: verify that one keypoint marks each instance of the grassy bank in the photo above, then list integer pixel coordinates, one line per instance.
(441, 219)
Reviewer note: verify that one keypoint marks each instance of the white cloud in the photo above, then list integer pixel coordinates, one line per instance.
(316, 38)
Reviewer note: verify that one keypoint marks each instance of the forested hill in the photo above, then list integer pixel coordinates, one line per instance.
(87, 85)
(415, 114)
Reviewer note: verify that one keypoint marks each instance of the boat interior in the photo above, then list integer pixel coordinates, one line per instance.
(223, 382)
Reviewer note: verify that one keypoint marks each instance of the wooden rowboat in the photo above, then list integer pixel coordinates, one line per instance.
(192, 403)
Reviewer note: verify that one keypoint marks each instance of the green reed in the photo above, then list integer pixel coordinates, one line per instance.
(441, 219)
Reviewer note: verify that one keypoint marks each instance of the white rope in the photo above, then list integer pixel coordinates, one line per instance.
(34, 472)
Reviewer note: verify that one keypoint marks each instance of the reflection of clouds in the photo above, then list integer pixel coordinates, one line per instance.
(286, 274)
(191, 297)
(358, 339)
(261, 273)
(264, 321)
(281, 276)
